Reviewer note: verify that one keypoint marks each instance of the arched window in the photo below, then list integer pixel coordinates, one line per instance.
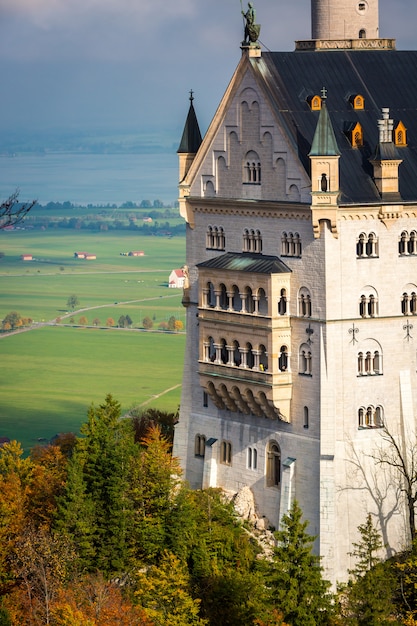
(304, 302)
(370, 362)
(306, 423)
(362, 32)
(371, 417)
(412, 243)
(283, 359)
(250, 360)
(236, 299)
(282, 302)
(263, 358)
(262, 302)
(215, 238)
(199, 445)
(368, 305)
(237, 357)
(291, 244)
(409, 300)
(224, 300)
(210, 295)
(252, 458)
(273, 465)
(224, 355)
(403, 243)
(304, 360)
(226, 452)
(252, 168)
(367, 245)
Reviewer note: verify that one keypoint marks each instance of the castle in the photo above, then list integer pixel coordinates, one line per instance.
(301, 281)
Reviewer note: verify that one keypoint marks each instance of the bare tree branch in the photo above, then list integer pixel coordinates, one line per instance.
(403, 459)
(12, 211)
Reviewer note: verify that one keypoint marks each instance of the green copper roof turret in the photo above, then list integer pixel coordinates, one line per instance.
(324, 141)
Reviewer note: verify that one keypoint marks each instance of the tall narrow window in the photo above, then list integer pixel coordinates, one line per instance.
(283, 359)
(273, 465)
(282, 303)
(252, 458)
(306, 418)
(199, 445)
(226, 452)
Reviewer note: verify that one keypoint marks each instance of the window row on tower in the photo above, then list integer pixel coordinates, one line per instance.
(367, 244)
(252, 241)
(369, 306)
(234, 354)
(245, 300)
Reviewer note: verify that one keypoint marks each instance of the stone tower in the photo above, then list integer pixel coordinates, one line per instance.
(344, 19)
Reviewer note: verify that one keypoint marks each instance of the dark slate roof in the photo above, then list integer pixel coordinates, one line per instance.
(247, 262)
(191, 136)
(385, 78)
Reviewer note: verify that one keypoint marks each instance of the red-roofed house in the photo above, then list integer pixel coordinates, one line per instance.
(176, 279)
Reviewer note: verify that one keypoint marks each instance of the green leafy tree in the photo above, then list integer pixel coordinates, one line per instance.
(96, 321)
(164, 592)
(147, 323)
(129, 321)
(12, 321)
(171, 323)
(144, 419)
(297, 586)
(122, 322)
(73, 302)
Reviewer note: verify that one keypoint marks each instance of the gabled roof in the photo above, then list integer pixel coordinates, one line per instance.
(385, 78)
(247, 262)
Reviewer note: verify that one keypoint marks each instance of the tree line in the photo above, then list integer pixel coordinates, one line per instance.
(100, 530)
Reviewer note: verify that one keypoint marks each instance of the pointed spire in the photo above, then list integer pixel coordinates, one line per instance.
(191, 136)
(324, 141)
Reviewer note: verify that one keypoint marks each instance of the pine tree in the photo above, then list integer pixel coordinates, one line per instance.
(153, 481)
(296, 582)
(105, 454)
(370, 590)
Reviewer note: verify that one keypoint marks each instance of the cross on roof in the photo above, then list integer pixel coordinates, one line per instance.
(324, 93)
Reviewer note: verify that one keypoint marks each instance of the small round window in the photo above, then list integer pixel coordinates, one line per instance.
(362, 7)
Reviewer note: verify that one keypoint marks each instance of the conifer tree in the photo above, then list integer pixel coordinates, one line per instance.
(370, 590)
(153, 480)
(297, 586)
(105, 454)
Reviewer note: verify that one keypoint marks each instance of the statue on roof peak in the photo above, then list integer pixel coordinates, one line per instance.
(252, 29)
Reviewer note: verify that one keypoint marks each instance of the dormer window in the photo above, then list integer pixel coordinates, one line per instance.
(314, 102)
(354, 133)
(400, 135)
(357, 100)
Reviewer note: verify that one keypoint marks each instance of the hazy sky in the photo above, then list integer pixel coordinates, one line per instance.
(129, 64)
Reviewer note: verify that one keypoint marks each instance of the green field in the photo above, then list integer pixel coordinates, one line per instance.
(52, 374)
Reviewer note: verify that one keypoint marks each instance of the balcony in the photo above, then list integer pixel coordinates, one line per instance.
(250, 391)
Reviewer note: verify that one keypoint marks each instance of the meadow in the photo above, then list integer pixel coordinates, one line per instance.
(51, 375)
